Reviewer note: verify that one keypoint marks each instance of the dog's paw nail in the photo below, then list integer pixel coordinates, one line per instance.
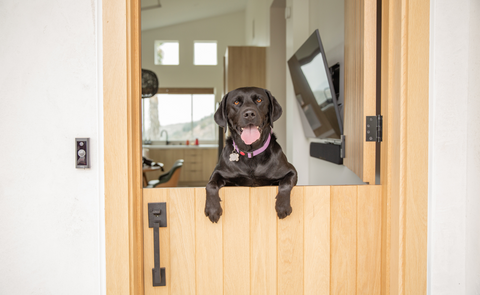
(283, 212)
(214, 219)
(213, 213)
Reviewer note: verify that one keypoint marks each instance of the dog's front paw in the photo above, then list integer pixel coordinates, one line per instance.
(213, 210)
(283, 207)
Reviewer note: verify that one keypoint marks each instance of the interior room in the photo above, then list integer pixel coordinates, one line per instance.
(228, 26)
(71, 70)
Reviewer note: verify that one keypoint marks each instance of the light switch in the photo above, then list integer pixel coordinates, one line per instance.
(82, 153)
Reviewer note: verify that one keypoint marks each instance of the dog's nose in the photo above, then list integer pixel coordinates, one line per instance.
(249, 114)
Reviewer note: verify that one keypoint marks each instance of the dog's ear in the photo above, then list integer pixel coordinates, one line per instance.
(221, 113)
(275, 108)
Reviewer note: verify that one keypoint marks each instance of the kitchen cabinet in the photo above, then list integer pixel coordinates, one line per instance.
(245, 66)
(198, 165)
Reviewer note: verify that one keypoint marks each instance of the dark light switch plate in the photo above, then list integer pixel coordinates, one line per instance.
(82, 153)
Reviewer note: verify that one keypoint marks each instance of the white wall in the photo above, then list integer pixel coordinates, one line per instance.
(328, 17)
(228, 30)
(454, 149)
(51, 214)
(257, 22)
(277, 68)
(472, 216)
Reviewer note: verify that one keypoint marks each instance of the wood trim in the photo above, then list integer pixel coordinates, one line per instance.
(360, 82)
(386, 146)
(122, 146)
(171, 90)
(417, 146)
(404, 167)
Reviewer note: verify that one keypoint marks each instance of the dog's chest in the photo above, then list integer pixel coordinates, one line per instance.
(249, 173)
(251, 181)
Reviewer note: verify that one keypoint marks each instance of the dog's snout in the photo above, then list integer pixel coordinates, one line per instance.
(249, 114)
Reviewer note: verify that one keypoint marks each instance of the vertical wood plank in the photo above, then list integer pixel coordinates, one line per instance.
(317, 240)
(386, 145)
(153, 196)
(181, 208)
(353, 146)
(369, 230)
(209, 255)
(290, 247)
(369, 65)
(417, 108)
(236, 240)
(360, 81)
(343, 239)
(263, 237)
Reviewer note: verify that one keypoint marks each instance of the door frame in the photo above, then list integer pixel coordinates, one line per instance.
(404, 159)
(122, 146)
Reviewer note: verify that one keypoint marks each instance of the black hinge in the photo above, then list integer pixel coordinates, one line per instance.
(374, 128)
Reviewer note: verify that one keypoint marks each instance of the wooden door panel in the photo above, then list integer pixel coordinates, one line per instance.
(359, 86)
(209, 249)
(369, 232)
(236, 240)
(263, 238)
(181, 213)
(343, 238)
(330, 244)
(317, 240)
(290, 247)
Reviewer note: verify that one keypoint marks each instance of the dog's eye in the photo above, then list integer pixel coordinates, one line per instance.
(259, 100)
(236, 102)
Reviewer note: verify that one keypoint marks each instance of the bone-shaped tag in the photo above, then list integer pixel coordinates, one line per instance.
(234, 157)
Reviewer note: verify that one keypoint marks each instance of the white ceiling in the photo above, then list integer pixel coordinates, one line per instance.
(174, 12)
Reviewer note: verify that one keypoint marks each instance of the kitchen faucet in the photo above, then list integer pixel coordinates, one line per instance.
(161, 133)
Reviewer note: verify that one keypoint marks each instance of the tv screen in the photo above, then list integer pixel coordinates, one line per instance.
(314, 90)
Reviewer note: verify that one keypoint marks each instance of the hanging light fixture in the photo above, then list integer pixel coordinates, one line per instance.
(149, 89)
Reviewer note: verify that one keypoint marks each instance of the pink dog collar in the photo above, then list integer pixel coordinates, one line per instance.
(255, 152)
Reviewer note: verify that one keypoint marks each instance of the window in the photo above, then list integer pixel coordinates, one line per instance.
(205, 53)
(183, 116)
(166, 52)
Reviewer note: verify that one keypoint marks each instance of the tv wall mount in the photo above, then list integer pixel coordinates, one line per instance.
(331, 150)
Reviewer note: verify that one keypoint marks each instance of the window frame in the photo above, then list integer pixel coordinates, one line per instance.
(216, 53)
(155, 52)
(187, 91)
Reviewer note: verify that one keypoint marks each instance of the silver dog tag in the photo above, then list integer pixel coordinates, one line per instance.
(234, 157)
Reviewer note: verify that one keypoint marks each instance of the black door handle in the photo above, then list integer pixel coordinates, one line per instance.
(157, 217)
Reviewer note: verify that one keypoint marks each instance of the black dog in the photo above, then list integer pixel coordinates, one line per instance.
(252, 156)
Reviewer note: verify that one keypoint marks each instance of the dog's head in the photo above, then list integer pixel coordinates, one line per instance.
(249, 113)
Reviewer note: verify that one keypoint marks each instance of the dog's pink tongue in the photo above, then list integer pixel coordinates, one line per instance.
(250, 134)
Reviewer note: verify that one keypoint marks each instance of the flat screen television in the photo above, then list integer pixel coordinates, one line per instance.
(314, 89)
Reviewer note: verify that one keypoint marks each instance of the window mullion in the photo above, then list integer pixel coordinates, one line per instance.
(191, 116)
